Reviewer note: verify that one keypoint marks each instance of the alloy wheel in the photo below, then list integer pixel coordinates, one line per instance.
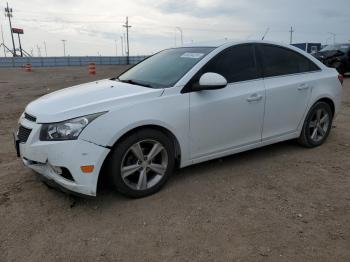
(144, 164)
(319, 124)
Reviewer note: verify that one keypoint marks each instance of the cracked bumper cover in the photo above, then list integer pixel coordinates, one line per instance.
(44, 156)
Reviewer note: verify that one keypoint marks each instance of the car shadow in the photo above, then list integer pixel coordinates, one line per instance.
(106, 195)
(233, 161)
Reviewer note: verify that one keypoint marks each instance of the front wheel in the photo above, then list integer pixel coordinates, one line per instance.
(141, 163)
(317, 125)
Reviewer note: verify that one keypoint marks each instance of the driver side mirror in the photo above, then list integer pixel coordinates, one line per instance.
(210, 81)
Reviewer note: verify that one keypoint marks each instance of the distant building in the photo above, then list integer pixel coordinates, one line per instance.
(309, 47)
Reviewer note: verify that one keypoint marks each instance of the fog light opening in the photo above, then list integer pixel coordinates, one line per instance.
(57, 170)
(63, 172)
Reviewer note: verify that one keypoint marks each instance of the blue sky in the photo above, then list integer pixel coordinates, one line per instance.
(93, 27)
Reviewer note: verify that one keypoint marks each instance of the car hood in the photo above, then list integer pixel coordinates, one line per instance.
(89, 98)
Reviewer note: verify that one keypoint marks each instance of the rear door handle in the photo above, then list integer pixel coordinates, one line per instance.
(303, 87)
(254, 97)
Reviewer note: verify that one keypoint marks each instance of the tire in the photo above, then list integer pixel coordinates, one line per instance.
(317, 125)
(141, 163)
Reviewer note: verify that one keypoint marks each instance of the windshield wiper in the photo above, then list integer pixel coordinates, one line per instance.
(132, 82)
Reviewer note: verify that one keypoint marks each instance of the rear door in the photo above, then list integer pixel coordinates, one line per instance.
(288, 81)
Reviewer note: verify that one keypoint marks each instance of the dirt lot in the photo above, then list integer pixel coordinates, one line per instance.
(278, 203)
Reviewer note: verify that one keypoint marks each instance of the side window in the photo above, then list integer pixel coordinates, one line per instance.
(236, 64)
(282, 61)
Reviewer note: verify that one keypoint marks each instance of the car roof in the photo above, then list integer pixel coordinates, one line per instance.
(226, 43)
(218, 43)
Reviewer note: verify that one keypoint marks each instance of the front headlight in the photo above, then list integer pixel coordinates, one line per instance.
(66, 130)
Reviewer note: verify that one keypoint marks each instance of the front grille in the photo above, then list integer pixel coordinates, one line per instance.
(23, 134)
(29, 117)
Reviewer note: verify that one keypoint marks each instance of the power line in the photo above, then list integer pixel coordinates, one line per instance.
(127, 26)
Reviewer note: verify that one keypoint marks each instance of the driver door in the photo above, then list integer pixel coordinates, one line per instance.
(232, 117)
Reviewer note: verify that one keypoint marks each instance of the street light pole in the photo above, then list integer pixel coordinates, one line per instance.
(45, 48)
(20, 45)
(64, 46)
(181, 34)
(3, 43)
(333, 35)
(39, 50)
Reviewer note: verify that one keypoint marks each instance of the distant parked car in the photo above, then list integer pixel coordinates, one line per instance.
(179, 107)
(336, 56)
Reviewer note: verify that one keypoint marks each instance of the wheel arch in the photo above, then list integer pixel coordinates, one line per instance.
(328, 101)
(104, 172)
(323, 98)
(160, 128)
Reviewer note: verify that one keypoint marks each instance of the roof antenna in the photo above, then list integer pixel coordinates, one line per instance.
(266, 32)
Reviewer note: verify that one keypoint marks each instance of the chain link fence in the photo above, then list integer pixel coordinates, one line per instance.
(68, 61)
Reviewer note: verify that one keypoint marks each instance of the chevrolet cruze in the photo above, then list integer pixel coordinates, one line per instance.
(179, 107)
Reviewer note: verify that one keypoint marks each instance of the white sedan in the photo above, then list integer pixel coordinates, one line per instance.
(179, 107)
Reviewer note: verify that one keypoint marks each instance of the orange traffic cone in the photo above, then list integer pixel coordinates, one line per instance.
(28, 67)
(92, 69)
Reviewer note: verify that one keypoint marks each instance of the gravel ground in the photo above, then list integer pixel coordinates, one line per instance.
(278, 203)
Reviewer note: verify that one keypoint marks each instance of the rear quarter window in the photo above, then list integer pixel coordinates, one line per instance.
(278, 61)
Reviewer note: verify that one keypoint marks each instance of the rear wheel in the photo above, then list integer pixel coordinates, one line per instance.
(317, 125)
(141, 163)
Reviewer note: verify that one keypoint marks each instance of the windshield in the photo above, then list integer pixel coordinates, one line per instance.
(340, 47)
(165, 68)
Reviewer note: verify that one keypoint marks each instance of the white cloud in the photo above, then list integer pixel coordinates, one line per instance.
(92, 27)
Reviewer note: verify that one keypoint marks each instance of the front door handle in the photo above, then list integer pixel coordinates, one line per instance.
(303, 87)
(254, 97)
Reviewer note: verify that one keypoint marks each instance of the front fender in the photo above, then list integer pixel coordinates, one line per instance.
(169, 112)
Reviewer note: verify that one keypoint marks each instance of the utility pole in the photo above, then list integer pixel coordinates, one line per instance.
(45, 48)
(8, 13)
(181, 34)
(3, 42)
(291, 34)
(121, 41)
(127, 26)
(64, 46)
(124, 43)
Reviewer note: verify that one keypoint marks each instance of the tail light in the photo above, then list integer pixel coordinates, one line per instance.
(341, 78)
